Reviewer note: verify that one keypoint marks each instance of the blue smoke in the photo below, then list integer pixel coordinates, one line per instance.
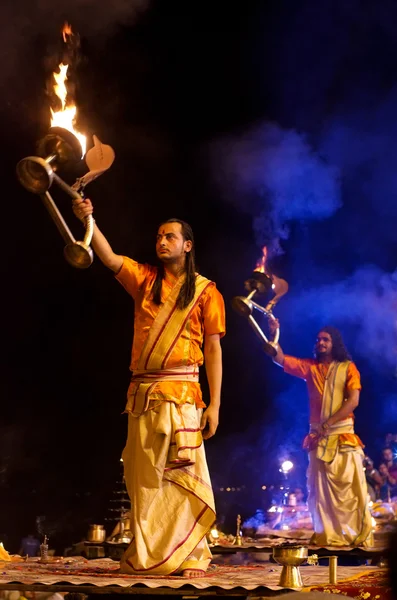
(279, 179)
(364, 306)
(276, 176)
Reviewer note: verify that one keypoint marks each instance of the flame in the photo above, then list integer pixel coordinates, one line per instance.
(66, 116)
(261, 264)
(66, 30)
(3, 553)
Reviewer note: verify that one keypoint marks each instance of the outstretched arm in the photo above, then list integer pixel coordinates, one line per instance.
(279, 358)
(83, 208)
(213, 368)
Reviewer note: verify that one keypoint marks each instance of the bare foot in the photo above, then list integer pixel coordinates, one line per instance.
(192, 573)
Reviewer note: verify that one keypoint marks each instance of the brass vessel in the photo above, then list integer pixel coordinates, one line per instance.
(96, 533)
(290, 558)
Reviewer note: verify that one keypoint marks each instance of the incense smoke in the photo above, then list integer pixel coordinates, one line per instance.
(279, 179)
(276, 176)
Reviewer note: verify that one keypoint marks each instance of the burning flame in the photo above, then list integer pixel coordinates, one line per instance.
(3, 553)
(66, 116)
(261, 264)
(66, 30)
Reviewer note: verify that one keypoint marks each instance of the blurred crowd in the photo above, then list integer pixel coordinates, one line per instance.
(382, 478)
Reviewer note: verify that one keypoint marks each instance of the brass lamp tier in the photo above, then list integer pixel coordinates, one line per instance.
(258, 284)
(38, 173)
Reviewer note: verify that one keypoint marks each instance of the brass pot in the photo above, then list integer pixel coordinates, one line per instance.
(96, 533)
(290, 558)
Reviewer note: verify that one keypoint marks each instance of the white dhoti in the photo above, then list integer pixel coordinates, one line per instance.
(167, 478)
(338, 498)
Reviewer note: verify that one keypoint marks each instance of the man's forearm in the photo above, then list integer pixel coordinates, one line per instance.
(213, 368)
(104, 251)
(279, 358)
(348, 407)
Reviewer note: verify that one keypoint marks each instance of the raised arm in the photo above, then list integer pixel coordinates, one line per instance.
(279, 358)
(102, 248)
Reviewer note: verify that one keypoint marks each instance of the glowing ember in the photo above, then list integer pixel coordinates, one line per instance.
(261, 264)
(66, 116)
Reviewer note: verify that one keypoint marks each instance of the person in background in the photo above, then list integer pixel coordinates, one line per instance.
(374, 479)
(335, 479)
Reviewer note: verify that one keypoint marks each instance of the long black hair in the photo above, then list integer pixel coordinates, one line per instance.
(188, 289)
(339, 350)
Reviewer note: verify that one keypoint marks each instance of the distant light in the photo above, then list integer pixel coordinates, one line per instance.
(272, 509)
(370, 503)
(280, 509)
(215, 533)
(121, 460)
(286, 466)
(233, 489)
(228, 489)
(273, 286)
(285, 527)
(263, 487)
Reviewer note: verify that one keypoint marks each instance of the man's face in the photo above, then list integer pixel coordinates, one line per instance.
(323, 347)
(387, 454)
(170, 245)
(383, 470)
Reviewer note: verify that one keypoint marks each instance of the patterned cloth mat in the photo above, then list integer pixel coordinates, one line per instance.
(105, 572)
(369, 586)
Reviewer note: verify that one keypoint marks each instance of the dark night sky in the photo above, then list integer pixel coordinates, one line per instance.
(210, 110)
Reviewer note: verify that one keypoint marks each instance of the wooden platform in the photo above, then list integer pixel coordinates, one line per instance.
(80, 576)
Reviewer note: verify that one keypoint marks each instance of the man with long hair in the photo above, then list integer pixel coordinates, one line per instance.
(177, 311)
(336, 479)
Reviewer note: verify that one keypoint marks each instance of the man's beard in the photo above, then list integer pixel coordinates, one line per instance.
(167, 259)
(322, 355)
